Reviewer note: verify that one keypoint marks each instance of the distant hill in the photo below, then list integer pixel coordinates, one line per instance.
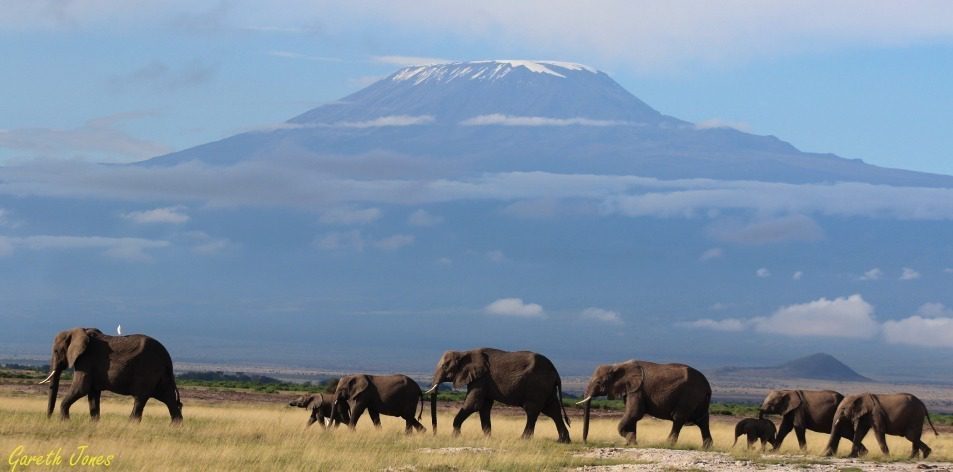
(816, 366)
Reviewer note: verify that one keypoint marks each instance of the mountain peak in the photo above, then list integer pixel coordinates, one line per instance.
(818, 366)
(485, 70)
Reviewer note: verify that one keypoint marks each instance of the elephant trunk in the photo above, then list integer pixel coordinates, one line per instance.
(585, 420)
(433, 411)
(54, 388)
(834, 440)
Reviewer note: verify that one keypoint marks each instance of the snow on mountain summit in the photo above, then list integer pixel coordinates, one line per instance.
(485, 70)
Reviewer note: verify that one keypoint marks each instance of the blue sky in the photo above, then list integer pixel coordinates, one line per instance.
(208, 258)
(825, 78)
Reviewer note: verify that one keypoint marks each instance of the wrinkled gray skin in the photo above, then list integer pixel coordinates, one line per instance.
(320, 406)
(133, 365)
(673, 392)
(521, 378)
(391, 395)
(899, 414)
(755, 429)
(803, 410)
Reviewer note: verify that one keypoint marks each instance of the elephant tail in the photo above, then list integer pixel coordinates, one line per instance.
(421, 414)
(559, 398)
(927, 414)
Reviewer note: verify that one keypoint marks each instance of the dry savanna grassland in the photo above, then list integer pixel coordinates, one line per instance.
(256, 435)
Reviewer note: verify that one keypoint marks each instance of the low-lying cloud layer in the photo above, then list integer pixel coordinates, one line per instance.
(783, 210)
(845, 317)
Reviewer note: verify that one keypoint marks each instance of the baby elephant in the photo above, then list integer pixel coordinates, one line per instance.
(392, 395)
(320, 410)
(755, 429)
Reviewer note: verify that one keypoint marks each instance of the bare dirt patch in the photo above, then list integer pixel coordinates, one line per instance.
(653, 459)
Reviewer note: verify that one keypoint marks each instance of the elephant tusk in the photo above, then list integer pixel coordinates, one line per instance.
(584, 400)
(432, 389)
(48, 377)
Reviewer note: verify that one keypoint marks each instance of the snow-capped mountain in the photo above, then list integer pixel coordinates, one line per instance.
(533, 115)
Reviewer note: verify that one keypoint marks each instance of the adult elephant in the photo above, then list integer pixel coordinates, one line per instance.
(899, 414)
(391, 395)
(803, 410)
(135, 365)
(673, 392)
(522, 378)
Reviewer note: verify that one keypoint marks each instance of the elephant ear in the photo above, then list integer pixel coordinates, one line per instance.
(78, 341)
(475, 366)
(877, 413)
(633, 383)
(357, 385)
(792, 401)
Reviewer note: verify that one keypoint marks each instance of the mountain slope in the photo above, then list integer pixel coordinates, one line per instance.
(816, 366)
(492, 116)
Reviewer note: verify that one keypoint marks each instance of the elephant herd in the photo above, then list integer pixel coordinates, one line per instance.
(141, 367)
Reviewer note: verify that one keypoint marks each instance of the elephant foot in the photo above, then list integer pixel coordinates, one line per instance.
(456, 432)
(563, 440)
(828, 452)
(926, 451)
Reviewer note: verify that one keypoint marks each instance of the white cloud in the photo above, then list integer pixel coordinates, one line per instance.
(601, 315)
(356, 241)
(948, 270)
(909, 274)
(849, 317)
(797, 275)
(497, 119)
(873, 274)
(202, 243)
(422, 217)
(395, 242)
(715, 123)
(713, 253)
(763, 272)
(128, 249)
(496, 256)
(668, 34)
(932, 326)
(727, 324)
(98, 139)
(405, 61)
(445, 261)
(765, 231)
(391, 120)
(341, 240)
(306, 57)
(350, 216)
(514, 307)
(168, 215)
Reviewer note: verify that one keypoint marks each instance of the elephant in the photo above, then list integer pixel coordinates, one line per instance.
(321, 410)
(899, 414)
(135, 365)
(755, 429)
(520, 378)
(673, 392)
(803, 410)
(392, 395)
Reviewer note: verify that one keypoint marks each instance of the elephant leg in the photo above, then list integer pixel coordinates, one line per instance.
(677, 423)
(471, 404)
(375, 417)
(860, 430)
(751, 440)
(166, 394)
(93, 398)
(554, 411)
(532, 414)
(412, 424)
(787, 423)
(882, 441)
(138, 405)
(78, 389)
(485, 418)
(458, 420)
(357, 409)
(800, 432)
(706, 432)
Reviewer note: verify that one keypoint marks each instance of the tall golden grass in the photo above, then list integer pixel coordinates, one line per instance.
(236, 436)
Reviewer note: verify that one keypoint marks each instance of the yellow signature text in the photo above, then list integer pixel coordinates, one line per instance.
(21, 459)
